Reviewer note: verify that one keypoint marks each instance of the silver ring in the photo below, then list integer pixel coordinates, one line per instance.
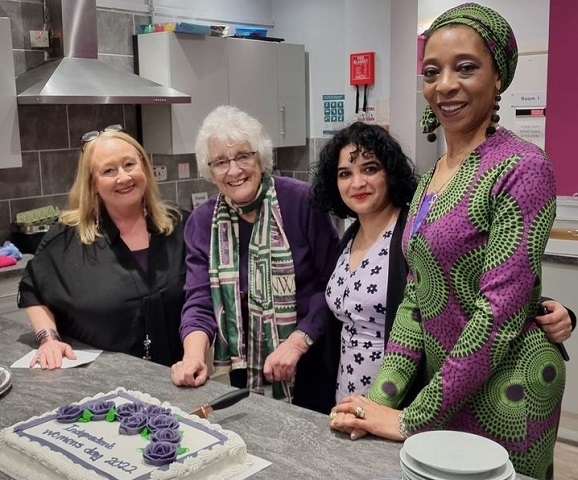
(37, 358)
(360, 412)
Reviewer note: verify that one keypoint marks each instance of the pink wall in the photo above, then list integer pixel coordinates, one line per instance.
(562, 109)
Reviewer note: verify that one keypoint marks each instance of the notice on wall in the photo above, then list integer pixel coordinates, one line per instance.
(333, 113)
(531, 125)
(367, 116)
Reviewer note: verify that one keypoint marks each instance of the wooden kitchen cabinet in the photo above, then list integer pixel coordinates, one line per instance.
(265, 79)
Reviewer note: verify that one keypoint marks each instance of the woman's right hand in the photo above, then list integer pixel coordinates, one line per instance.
(50, 354)
(191, 371)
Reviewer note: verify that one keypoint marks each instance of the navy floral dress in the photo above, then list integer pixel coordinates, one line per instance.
(357, 298)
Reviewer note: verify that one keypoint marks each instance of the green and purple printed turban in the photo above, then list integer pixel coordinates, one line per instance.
(497, 35)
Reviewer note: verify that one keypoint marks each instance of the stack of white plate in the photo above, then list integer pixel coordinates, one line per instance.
(448, 455)
(5, 380)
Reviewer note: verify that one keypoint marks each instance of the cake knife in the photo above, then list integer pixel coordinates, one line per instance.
(221, 402)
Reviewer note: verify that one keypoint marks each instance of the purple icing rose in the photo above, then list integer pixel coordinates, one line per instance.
(127, 409)
(161, 422)
(69, 413)
(160, 453)
(133, 424)
(166, 435)
(154, 410)
(99, 408)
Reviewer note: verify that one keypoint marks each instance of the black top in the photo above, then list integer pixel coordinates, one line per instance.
(100, 295)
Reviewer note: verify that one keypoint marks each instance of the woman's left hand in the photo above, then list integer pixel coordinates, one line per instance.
(281, 364)
(557, 323)
(358, 416)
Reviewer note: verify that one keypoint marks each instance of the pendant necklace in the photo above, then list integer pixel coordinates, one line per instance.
(435, 195)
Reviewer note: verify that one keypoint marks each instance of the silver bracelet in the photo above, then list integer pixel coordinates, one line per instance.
(44, 334)
(402, 427)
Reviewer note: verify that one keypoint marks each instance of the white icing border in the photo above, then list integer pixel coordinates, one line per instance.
(23, 449)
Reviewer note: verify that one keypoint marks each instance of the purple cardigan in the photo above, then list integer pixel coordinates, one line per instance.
(314, 245)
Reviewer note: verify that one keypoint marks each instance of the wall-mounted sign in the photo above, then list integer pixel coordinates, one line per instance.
(529, 99)
(333, 113)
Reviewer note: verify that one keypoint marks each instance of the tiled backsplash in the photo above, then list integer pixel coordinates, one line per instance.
(50, 134)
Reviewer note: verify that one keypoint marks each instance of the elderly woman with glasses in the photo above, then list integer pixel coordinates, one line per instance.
(258, 259)
(110, 273)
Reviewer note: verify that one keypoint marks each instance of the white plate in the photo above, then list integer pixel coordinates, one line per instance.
(5, 380)
(456, 452)
(418, 471)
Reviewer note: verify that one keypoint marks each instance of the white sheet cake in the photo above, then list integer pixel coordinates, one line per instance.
(43, 447)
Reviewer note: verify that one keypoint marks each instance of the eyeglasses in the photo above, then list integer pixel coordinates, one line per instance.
(93, 135)
(242, 160)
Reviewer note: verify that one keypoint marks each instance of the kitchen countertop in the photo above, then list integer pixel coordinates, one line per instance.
(15, 270)
(298, 442)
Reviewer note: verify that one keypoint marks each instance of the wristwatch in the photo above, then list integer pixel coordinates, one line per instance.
(308, 340)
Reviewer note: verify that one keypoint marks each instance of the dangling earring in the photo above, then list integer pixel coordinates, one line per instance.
(495, 118)
(97, 214)
(144, 206)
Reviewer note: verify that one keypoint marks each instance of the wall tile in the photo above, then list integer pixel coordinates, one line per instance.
(185, 188)
(302, 176)
(21, 182)
(123, 62)
(24, 60)
(85, 118)
(172, 164)
(168, 191)
(24, 16)
(43, 127)
(293, 158)
(4, 221)
(58, 169)
(114, 32)
(24, 204)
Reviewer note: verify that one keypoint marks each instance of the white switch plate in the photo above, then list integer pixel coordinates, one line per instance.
(39, 39)
(199, 198)
(184, 170)
(160, 172)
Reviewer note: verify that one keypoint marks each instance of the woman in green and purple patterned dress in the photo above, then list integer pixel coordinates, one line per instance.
(476, 232)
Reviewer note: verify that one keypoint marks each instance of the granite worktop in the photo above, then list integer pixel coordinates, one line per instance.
(298, 442)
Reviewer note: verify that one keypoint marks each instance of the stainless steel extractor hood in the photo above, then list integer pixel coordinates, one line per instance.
(74, 75)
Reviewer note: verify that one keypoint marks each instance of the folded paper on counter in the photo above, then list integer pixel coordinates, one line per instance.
(82, 358)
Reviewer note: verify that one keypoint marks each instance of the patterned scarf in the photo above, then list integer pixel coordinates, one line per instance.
(497, 35)
(271, 296)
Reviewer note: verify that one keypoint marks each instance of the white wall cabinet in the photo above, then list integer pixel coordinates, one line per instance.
(266, 79)
(10, 152)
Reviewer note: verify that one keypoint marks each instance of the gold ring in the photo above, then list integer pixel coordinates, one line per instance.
(360, 412)
(333, 415)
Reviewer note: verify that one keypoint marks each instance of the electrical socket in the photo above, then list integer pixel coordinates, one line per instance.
(39, 39)
(184, 170)
(199, 198)
(160, 172)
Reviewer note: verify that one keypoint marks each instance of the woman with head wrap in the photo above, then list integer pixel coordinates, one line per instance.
(475, 235)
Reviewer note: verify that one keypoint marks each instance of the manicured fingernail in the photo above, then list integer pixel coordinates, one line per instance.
(353, 435)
